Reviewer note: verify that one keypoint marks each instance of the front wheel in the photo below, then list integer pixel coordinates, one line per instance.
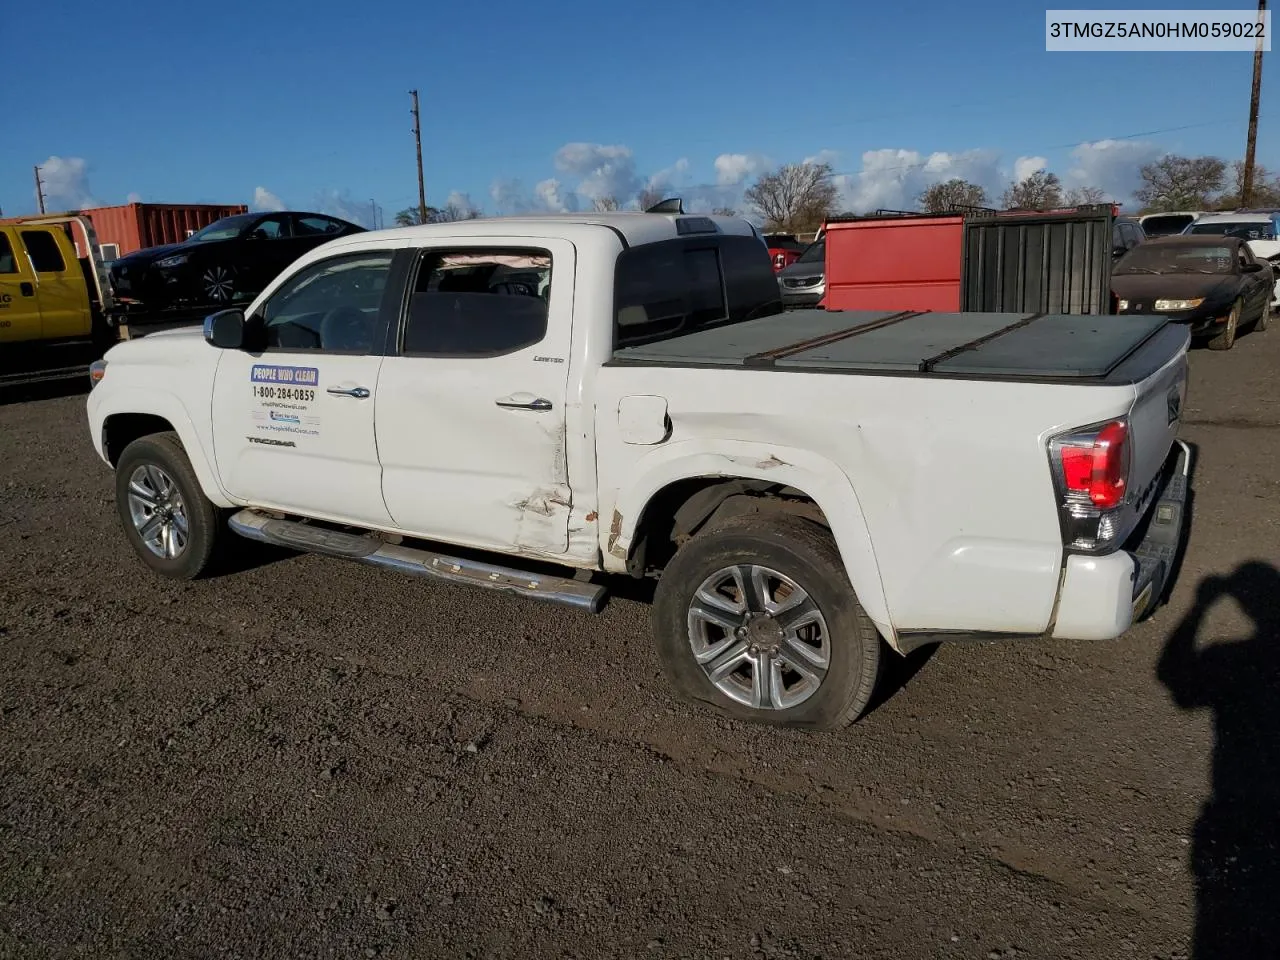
(1227, 338)
(757, 618)
(1264, 318)
(172, 526)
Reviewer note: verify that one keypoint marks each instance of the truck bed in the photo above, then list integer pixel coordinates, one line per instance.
(997, 346)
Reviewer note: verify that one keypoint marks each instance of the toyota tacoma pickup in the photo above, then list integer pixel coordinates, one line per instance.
(538, 404)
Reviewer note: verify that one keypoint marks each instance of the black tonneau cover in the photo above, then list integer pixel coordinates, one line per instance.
(978, 345)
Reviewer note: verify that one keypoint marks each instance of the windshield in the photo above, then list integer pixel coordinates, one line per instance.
(1252, 230)
(816, 253)
(228, 228)
(1182, 258)
(1164, 226)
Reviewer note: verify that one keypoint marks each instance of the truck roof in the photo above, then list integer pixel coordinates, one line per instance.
(634, 228)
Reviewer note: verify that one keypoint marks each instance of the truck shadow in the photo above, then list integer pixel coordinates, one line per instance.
(1235, 848)
(44, 390)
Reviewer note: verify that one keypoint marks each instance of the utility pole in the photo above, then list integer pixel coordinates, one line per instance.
(1246, 181)
(417, 139)
(373, 212)
(39, 187)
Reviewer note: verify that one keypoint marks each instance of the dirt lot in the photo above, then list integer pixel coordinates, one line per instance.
(315, 759)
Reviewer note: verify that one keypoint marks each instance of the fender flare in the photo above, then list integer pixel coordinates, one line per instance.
(819, 478)
(167, 406)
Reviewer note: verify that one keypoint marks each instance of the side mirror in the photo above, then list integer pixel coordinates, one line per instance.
(1250, 267)
(225, 329)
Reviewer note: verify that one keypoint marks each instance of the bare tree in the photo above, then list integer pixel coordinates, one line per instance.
(1081, 196)
(412, 217)
(1040, 191)
(452, 212)
(795, 198)
(724, 212)
(1180, 183)
(1266, 188)
(650, 196)
(952, 194)
(605, 204)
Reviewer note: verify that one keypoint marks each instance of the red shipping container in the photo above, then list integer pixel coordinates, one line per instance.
(133, 226)
(894, 263)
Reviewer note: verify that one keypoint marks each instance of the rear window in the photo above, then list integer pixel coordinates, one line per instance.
(1252, 230)
(676, 287)
(1166, 225)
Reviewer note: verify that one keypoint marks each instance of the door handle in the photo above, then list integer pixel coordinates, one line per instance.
(360, 393)
(512, 403)
(26, 289)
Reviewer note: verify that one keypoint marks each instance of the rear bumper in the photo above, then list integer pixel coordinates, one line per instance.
(1103, 596)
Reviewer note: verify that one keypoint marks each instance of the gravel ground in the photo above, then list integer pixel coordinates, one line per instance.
(314, 759)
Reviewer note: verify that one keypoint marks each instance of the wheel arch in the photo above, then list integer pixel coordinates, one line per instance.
(126, 418)
(694, 484)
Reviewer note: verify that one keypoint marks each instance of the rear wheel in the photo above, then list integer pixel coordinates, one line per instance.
(168, 520)
(1264, 318)
(1227, 338)
(757, 618)
(218, 283)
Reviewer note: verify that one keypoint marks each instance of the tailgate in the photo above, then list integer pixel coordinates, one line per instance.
(1153, 425)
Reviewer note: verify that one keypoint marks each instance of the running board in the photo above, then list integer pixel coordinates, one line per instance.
(367, 548)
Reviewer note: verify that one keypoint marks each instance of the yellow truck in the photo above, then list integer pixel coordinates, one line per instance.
(54, 303)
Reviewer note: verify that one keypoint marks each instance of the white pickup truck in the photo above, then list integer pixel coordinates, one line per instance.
(532, 404)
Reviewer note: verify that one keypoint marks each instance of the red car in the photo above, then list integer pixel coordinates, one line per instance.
(784, 249)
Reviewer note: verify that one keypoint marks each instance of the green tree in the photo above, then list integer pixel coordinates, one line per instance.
(1180, 183)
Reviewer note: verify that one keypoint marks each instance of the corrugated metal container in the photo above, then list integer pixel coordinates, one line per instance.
(1054, 262)
(134, 226)
(894, 263)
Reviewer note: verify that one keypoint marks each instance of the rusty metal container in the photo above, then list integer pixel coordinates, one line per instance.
(134, 226)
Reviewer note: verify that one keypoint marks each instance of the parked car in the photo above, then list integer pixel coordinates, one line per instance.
(805, 486)
(1168, 224)
(1258, 228)
(1213, 284)
(229, 261)
(803, 283)
(1126, 233)
(784, 249)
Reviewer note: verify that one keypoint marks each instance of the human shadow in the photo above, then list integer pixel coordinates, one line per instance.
(1235, 853)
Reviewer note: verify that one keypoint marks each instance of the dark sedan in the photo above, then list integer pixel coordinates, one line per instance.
(229, 261)
(1213, 284)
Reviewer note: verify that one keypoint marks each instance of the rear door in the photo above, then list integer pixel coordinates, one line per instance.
(19, 306)
(471, 402)
(60, 284)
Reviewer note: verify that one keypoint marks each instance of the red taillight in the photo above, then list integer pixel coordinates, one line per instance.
(1096, 466)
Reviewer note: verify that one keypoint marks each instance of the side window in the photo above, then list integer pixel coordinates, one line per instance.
(45, 255)
(315, 226)
(749, 279)
(476, 302)
(271, 228)
(8, 262)
(333, 305)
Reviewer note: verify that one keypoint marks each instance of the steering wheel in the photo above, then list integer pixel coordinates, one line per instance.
(346, 328)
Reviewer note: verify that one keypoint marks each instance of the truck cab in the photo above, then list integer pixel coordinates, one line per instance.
(50, 296)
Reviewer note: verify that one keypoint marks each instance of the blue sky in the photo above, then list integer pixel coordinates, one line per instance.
(545, 105)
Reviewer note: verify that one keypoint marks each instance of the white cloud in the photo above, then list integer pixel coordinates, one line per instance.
(264, 199)
(894, 178)
(1024, 167)
(508, 197)
(824, 156)
(66, 184)
(551, 197)
(669, 177)
(604, 170)
(133, 198)
(1111, 165)
(462, 200)
(733, 168)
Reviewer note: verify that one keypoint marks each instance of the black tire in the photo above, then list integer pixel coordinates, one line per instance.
(1264, 318)
(806, 554)
(203, 528)
(1227, 338)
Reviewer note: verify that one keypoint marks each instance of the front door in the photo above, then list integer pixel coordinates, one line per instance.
(471, 406)
(293, 421)
(19, 306)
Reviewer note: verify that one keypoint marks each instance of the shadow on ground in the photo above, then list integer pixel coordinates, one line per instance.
(1235, 853)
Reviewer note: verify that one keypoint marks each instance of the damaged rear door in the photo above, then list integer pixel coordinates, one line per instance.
(470, 418)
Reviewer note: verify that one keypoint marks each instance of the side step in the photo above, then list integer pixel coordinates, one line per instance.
(366, 548)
